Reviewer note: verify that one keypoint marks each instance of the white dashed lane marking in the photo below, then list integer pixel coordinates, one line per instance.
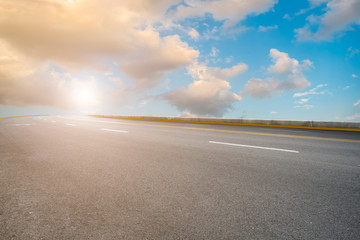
(113, 130)
(258, 147)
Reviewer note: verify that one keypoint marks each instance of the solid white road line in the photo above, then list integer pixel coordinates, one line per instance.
(249, 146)
(70, 124)
(113, 130)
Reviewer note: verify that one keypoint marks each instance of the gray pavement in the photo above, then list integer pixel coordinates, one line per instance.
(94, 178)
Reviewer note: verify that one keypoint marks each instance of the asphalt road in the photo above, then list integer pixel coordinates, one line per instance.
(93, 178)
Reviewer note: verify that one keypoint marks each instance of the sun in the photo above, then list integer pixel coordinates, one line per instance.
(85, 95)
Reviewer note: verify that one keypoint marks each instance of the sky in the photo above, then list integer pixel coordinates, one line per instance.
(254, 59)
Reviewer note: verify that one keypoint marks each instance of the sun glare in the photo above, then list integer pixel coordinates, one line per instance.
(85, 96)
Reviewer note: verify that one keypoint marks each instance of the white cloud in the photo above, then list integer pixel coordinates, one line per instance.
(118, 81)
(232, 12)
(226, 73)
(260, 88)
(283, 63)
(340, 15)
(312, 91)
(357, 103)
(307, 106)
(188, 115)
(354, 76)
(194, 34)
(287, 17)
(229, 59)
(303, 101)
(208, 95)
(317, 2)
(353, 117)
(352, 52)
(211, 33)
(214, 52)
(273, 112)
(307, 64)
(22, 84)
(285, 68)
(149, 64)
(80, 35)
(267, 28)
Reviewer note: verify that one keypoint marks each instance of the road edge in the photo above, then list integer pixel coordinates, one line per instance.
(20, 116)
(316, 125)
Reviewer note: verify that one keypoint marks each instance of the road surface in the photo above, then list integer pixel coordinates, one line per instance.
(94, 178)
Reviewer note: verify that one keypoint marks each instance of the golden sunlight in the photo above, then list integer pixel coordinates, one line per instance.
(85, 94)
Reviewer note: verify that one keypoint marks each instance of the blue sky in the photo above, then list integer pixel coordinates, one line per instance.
(262, 59)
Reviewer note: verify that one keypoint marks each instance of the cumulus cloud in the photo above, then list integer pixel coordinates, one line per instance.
(81, 34)
(357, 103)
(340, 15)
(283, 64)
(150, 62)
(21, 84)
(229, 11)
(209, 94)
(285, 68)
(263, 88)
(225, 73)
